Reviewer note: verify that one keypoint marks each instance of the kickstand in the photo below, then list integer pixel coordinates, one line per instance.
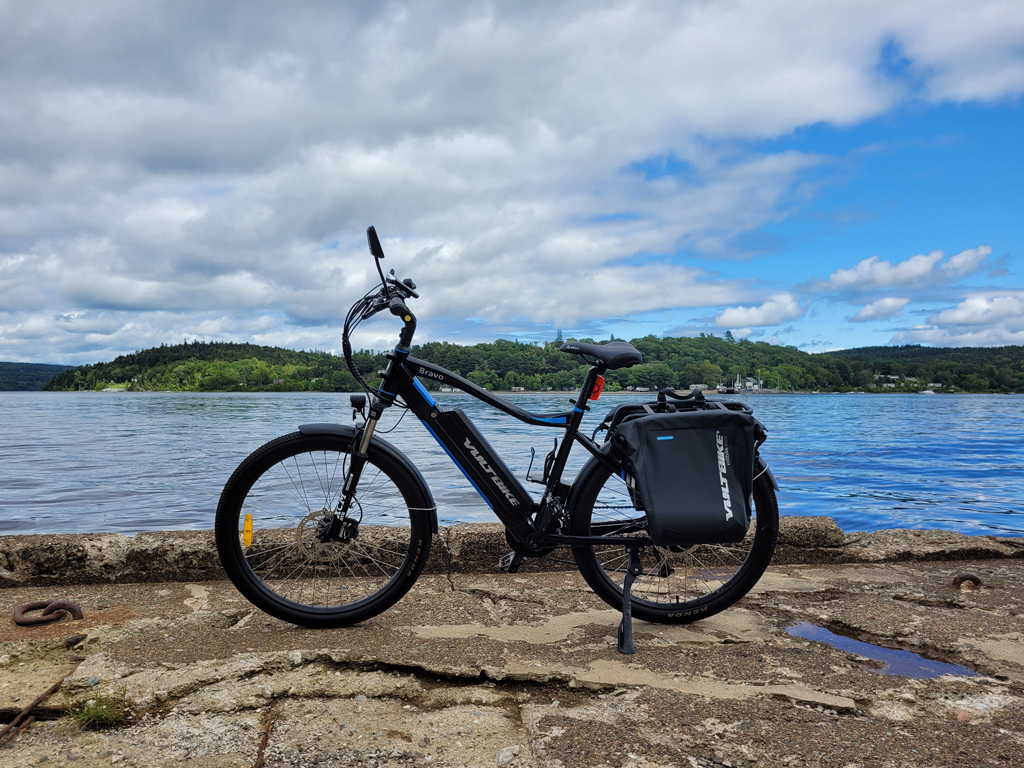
(634, 569)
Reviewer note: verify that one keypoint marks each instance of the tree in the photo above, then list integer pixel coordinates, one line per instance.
(558, 337)
(690, 375)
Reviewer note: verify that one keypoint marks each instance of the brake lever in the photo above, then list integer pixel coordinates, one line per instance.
(407, 288)
(379, 304)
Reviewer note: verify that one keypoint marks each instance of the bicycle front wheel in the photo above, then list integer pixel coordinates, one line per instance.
(272, 509)
(678, 584)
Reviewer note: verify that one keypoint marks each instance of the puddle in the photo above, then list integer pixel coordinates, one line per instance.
(902, 663)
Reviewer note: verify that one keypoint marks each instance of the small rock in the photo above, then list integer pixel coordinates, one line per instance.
(94, 681)
(425, 741)
(74, 640)
(360, 698)
(508, 754)
(77, 657)
(5, 660)
(963, 717)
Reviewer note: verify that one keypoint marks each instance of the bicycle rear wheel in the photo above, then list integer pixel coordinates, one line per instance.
(679, 584)
(276, 502)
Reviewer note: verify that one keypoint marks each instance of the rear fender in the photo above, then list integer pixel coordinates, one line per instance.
(764, 469)
(384, 447)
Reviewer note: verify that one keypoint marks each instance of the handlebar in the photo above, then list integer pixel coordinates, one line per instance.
(397, 307)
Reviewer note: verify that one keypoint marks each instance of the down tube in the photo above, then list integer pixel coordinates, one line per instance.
(471, 452)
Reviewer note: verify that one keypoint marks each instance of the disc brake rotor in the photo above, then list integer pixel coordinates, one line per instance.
(307, 536)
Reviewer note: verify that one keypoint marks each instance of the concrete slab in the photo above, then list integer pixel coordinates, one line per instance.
(489, 669)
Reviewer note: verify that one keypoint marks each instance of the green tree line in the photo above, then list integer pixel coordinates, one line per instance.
(504, 364)
(27, 377)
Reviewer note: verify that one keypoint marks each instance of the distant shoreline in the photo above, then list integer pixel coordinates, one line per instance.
(653, 393)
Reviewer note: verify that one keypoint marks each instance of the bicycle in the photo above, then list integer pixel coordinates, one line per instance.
(331, 525)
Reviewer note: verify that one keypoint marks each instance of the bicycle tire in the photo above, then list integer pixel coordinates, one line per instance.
(676, 587)
(285, 486)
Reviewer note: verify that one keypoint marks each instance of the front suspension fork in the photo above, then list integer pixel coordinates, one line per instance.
(357, 460)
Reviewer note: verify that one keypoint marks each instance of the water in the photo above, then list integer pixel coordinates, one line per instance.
(903, 663)
(129, 462)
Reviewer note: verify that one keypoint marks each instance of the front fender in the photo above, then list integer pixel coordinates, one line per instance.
(383, 446)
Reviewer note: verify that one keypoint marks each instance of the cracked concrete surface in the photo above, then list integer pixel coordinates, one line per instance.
(521, 670)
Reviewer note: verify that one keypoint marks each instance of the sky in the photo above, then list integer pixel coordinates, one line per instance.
(820, 175)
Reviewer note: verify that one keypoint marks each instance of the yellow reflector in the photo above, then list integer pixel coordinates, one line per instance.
(247, 530)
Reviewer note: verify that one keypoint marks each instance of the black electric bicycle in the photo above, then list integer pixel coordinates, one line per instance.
(331, 525)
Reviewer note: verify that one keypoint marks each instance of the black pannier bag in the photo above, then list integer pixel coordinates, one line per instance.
(693, 469)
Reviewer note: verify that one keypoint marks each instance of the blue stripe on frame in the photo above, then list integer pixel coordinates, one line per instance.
(665, 437)
(423, 391)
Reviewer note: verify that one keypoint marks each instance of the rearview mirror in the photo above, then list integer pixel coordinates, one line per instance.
(371, 238)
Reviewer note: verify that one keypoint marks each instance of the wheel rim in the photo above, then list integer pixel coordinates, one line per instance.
(670, 578)
(287, 502)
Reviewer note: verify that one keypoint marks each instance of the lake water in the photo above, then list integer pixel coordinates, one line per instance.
(127, 462)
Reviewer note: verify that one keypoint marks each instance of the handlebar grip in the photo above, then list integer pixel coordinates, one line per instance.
(397, 306)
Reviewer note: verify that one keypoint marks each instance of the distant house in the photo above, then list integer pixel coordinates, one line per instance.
(278, 381)
(518, 389)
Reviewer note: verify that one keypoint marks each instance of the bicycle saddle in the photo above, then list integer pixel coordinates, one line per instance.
(614, 354)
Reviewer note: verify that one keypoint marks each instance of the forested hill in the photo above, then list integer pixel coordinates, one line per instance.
(26, 377)
(504, 364)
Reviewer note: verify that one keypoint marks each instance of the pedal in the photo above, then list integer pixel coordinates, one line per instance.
(510, 563)
(634, 569)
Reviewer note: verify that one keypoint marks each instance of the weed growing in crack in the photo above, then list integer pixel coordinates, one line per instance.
(99, 712)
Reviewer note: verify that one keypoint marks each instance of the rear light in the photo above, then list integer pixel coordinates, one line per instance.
(598, 386)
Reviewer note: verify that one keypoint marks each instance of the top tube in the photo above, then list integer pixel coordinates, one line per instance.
(422, 368)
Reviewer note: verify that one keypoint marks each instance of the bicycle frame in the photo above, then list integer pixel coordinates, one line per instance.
(530, 523)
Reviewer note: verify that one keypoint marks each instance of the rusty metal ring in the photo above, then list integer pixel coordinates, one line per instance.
(65, 605)
(974, 578)
(53, 610)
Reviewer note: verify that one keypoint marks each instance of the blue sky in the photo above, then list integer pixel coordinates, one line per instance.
(818, 175)
(919, 178)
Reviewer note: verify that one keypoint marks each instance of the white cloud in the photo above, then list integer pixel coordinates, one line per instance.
(983, 319)
(882, 309)
(966, 262)
(779, 308)
(984, 310)
(873, 273)
(193, 164)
